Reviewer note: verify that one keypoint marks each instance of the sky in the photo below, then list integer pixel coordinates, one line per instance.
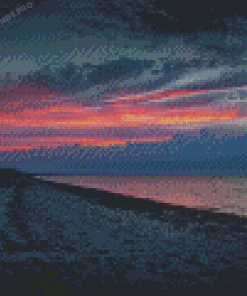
(103, 87)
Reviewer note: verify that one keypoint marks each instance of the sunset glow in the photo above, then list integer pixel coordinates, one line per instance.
(53, 142)
(82, 117)
(55, 115)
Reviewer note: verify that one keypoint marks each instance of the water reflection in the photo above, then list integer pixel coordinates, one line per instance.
(217, 194)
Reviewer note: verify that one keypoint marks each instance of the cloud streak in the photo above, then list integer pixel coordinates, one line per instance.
(115, 124)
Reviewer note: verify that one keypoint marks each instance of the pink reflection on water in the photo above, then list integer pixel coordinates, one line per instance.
(219, 194)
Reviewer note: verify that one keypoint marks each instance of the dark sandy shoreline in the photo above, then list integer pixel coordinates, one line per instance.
(73, 241)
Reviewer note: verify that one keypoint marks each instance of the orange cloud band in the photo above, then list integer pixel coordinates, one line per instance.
(82, 117)
(10, 144)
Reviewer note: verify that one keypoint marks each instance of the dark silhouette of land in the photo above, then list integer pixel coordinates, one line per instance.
(9, 171)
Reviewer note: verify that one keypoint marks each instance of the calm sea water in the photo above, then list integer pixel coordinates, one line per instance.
(217, 194)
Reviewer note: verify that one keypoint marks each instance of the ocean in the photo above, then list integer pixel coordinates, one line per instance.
(214, 193)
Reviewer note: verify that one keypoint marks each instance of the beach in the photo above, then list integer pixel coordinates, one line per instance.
(82, 240)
